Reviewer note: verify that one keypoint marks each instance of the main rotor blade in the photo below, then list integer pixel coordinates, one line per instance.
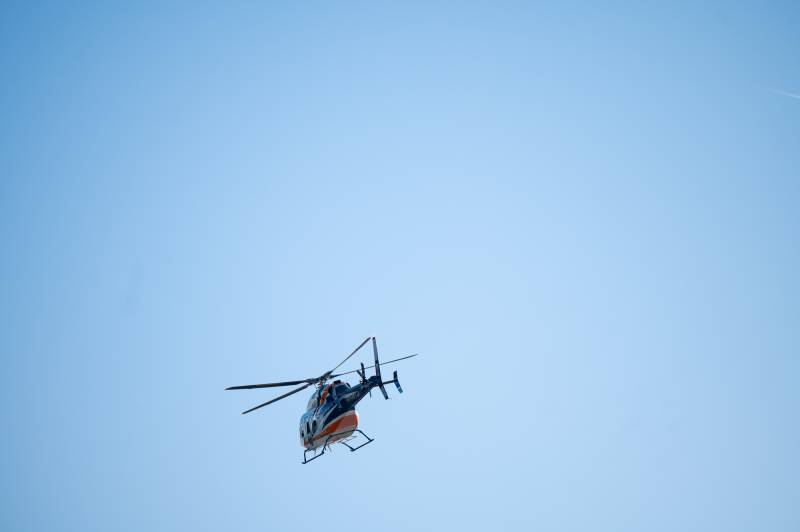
(382, 364)
(302, 381)
(272, 384)
(278, 398)
(348, 356)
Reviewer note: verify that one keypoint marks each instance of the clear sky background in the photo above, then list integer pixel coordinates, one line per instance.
(584, 216)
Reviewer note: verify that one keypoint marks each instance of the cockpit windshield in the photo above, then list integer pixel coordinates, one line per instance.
(312, 402)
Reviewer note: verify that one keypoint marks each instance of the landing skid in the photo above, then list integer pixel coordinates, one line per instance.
(343, 442)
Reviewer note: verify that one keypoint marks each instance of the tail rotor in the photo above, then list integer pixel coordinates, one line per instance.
(378, 373)
(378, 369)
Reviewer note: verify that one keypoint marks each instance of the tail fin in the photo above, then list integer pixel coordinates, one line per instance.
(397, 382)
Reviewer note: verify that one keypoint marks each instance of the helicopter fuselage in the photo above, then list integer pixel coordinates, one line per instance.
(331, 413)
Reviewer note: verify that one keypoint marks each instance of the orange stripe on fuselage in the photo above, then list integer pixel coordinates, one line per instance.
(346, 423)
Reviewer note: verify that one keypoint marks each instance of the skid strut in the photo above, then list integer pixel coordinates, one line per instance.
(343, 442)
(354, 449)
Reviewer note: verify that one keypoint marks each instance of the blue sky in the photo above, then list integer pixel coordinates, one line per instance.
(583, 217)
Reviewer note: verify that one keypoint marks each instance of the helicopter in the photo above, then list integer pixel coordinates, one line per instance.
(331, 415)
